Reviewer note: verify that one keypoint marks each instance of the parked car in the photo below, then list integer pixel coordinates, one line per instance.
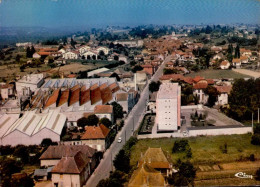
(119, 140)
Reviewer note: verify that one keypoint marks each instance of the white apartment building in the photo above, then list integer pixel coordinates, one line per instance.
(168, 107)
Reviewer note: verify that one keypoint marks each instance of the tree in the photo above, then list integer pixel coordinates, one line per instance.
(180, 146)
(9, 166)
(237, 52)
(167, 71)
(22, 152)
(92, 120)
(116, 58)
(46, 142)
(185, 175)
(28, 52)
(105, 121)
(154, 86)
(122, 161)
(17, 58)
(32, 51)
(213, 93)
(137, 68)
(117, 110)
(255, 140)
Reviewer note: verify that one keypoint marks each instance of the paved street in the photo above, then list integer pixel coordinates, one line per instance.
(132, 121)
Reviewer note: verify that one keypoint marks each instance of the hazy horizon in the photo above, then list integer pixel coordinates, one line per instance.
(90, 13)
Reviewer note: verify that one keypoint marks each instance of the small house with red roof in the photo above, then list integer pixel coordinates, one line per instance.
(224, 91)
(96, 137)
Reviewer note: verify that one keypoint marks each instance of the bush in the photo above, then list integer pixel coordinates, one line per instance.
(224, 148)
(255, 140)
(252, 157)
(257, 173)
(180, 146)
(105, 121)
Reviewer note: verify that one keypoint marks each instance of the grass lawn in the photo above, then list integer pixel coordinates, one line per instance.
(205, 149)
(215, 74)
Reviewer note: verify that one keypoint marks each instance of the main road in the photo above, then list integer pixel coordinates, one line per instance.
(131, 124)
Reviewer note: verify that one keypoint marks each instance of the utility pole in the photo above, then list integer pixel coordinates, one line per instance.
(252, 122)
(258, 116)
(125, 136)
(111, 162)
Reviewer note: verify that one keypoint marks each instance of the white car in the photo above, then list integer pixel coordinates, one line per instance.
(119, 140)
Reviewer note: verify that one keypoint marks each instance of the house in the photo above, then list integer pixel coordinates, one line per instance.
(245, 52)
(7, 91)
(122, 99)
(36, 55)
(224, 91)
(123, 58)
(218, 56)
(244, 59)
(29, 83)
(168, 107)
(236, 62)
(71, 55)
(147, 176)
(84, 49)
(198, 91)
(55, 153)
(71, 170)
(149, 69)
(104, 111)
(171, 78)
(155, 158)
(11, 106)
(96, 137)
(90, 54)
(224, 64)
(102, 48)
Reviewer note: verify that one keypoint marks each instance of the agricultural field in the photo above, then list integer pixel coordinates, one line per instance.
(213, 166)
(217, 74)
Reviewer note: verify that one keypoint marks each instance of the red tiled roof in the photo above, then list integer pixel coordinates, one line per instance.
(71, 165)
(121, 97)
(53, 98)
(198, 78)
(102, 86)
(94, 86)
(114, 87)
(103, 109)
(71, 76)
(84, 95)
(224, 89)
(188, 80)
(200, 85)
(210, 81)
(224, 63)
(236, 60)
(74, 96)
(93, 132)
(95, 95)
(172, 77)
(106, 95)
(64, 97)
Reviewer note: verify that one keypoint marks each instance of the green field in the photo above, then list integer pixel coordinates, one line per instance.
(216, 74)
(205, 149)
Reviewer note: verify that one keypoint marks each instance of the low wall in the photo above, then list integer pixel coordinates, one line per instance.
(220, 131)
(197, 107)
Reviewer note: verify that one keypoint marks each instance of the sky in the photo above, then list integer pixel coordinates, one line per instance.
(95, 13)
